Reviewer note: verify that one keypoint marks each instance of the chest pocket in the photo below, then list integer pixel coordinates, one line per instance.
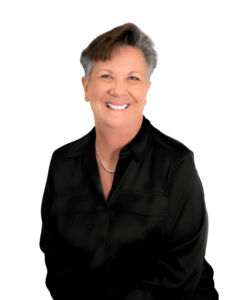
(73, 215)
(137, 223)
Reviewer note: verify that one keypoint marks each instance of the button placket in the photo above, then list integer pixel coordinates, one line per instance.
(102, 208)
(101, 239)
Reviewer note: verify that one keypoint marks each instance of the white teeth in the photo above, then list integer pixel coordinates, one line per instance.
(116, 107)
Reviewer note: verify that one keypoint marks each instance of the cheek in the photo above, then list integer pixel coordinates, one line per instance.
(139, 97)
(138, 92)
(99, 91)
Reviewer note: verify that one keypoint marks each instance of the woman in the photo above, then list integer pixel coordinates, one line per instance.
(123, 210)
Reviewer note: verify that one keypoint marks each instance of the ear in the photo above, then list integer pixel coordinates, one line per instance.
(148, 85)
(85, 87)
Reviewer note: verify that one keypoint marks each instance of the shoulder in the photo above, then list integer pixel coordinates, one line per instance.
(170, 148)
(174, 155)
(73, 148)
(170, 143)
(64, 149)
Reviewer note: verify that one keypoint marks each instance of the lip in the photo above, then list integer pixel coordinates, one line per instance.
(116, 110)
(115, 103)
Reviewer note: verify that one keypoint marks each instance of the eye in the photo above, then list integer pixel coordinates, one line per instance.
(129, 77)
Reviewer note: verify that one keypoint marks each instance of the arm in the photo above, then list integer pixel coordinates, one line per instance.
(46, 239)
(48, 243)
(185, 231)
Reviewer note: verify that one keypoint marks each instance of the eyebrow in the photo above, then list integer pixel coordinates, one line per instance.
(112, 72)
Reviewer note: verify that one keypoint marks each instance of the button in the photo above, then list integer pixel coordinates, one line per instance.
(101, 239)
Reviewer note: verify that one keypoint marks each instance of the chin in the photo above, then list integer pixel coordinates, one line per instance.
(115, 123)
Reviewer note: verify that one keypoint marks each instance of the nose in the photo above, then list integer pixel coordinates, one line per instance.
(118, 89)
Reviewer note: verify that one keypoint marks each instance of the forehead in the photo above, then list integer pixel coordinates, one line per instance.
(127, 57)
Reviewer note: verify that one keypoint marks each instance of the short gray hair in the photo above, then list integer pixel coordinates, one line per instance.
(128, 34)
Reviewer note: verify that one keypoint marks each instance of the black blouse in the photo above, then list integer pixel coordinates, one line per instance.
(147, 242)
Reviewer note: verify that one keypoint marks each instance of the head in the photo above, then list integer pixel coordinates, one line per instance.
(118, 65)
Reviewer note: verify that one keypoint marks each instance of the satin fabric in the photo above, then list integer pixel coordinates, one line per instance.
(146, 242)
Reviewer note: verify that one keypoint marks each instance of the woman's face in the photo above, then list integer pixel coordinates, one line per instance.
(119, 81)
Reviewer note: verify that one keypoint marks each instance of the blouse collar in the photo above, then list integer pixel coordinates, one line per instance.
(138, 146)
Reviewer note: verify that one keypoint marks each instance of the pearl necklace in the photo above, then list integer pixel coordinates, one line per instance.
(102, 162)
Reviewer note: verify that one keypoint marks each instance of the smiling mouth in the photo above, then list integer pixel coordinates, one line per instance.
(117, 107)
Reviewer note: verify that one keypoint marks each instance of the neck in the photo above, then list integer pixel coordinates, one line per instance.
(110, 141)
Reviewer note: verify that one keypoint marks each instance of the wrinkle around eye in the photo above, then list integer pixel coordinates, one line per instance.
(105, 75)
(128, 77)
(134, 77)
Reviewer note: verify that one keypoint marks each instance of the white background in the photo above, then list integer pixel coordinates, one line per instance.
(193, 98)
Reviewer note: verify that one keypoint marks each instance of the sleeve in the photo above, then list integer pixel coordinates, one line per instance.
(48, 242)
(185, 231)
(47, 237)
